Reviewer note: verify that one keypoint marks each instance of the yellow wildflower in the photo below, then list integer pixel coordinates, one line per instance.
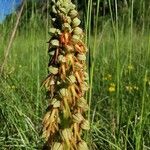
(112, 88)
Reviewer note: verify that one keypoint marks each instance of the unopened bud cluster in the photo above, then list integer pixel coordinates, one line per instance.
(66, 83)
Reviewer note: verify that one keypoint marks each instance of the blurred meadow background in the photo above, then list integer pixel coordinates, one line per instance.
(117, 33)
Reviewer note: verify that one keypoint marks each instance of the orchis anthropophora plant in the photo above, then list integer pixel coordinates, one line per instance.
(66, 83)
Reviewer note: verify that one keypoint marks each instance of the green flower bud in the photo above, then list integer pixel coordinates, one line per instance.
(58, 82)
(72, 79)
(77, 31)
(53, 19)
(54, 1)
(81, 57)
(63, 92)
(75, 38)
(53, 70)
(86, 76)
(52, 30)
(73, 13)
(55, 103)
(55, 42)
(63, 10)
(72, 6)
(61, 59)
(52, 53)
(52, 82)
(84, 86)
(54, 9)
(58, 4)
(58, 32)
(82, 103)
(76, 22)
(66, 26)
(85, 125)
(55, 31)
(68, 19)
(67, 135)
(77, 118)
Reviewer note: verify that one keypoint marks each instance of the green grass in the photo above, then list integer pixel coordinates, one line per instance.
(119, 97)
